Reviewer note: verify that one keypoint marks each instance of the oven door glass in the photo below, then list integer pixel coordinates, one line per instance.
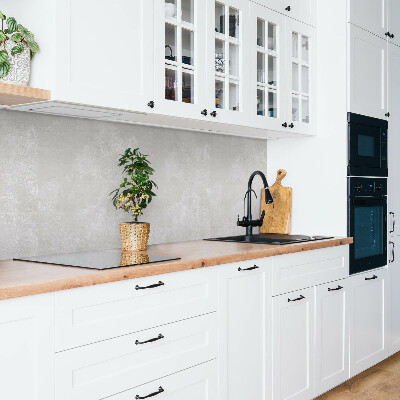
(365, 146)
(368, 229)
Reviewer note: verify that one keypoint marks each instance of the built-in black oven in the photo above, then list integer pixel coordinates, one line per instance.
(367, 223)
(367, 146)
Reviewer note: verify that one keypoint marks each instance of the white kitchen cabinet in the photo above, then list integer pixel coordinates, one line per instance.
(228, 69)
(370, 15)
(293, 345)
(115, 71)
(27, 348)
(394, 294)
(393, 7)
(302, 10)
(367, 73)
(198, 383)
(332, 335)
(394, 138)
(368, 320)
(242, 330)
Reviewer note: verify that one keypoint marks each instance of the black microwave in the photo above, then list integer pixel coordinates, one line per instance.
(367, 146)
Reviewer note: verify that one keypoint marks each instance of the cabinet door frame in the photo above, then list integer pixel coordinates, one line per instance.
(280, 303)
(340, 291)
(301, 29)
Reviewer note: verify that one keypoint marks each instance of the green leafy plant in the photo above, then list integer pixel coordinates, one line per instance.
(22, 37)
(136, 191)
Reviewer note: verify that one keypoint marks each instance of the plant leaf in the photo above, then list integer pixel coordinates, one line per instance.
(16, 37)
(3, 56)
(12, 25)
(3, 36)
(33, 46)
(2, 16)
(4, 69)
(17, 49)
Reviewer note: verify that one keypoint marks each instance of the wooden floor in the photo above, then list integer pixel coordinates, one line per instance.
(381, 382)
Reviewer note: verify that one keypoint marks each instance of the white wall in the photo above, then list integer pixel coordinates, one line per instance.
(317, 167)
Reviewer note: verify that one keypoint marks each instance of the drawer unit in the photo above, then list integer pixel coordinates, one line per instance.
(198, 383)
(103, 369)
(90, 314)
(309, 268)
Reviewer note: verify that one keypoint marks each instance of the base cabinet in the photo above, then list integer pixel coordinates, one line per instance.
(332, 339)
(394, 294)
(293, 345)
(369, 322)
(27, 348)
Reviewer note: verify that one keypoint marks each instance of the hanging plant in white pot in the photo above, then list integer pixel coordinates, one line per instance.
(17, 46)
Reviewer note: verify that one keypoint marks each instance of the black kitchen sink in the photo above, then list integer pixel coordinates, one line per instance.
(270, 238)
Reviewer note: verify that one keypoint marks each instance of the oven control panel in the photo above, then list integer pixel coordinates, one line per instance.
(367, 187)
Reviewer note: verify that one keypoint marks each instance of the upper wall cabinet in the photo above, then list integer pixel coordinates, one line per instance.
(302, 10)
(393, 21)
(115, 69)
(367, 73)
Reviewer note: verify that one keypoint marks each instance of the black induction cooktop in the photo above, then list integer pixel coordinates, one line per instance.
(99, 259)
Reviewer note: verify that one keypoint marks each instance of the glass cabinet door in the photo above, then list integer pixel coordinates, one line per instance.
(180, 57)
(227, 72)
(300, 55)
(267, 83)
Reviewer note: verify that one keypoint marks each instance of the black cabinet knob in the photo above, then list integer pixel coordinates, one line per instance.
(387, 34)
(288, 8)
(204, 112)
(387, 114)
(391, 36)
(213, 114)
(150, 104)
(284, 124)
(291, 125)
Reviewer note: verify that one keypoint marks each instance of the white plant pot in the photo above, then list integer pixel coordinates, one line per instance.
(20, 69)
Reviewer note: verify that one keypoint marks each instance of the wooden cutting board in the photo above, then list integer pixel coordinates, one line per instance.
(278, 214)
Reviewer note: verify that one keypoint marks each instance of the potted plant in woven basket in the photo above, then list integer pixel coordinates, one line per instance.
(134, 194)
(17, 46)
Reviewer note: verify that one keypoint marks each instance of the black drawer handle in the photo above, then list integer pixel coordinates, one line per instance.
(332, 290)
(160, 390)
(159, 337)
(393, 254)
(372, 278)
(150, 286)
(298, 299)
(248, 269)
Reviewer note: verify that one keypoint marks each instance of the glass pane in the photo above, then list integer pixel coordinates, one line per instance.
(260, 102)
(295, 109)
(272, 72)
(233, 23)
(219, 18)
(366, 146)
(219, 55)
(271, 36)
(170, 9)
(187, 47)
(295, 45)
(295, 77)
(187, 87)
(233, 59)
(170, 42)
(272, 104)
(219, 94)
(170, 84)
(260, 32)
(188, 11)
(260, 67)
(304, 48)
(305, 111)
(304, 79)
(233, 96)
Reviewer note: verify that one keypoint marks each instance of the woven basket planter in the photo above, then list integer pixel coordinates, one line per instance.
(134, 235)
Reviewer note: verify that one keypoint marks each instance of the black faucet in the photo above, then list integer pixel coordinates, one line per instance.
(247, 221)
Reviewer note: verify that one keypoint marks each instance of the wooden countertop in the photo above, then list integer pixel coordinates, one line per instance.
(19, 278)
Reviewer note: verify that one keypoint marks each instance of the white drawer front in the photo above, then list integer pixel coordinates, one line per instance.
(90, 314)
(301, 270)
(198, 383)
(102, 369)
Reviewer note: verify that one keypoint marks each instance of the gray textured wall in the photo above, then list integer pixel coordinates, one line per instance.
(56, 174)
